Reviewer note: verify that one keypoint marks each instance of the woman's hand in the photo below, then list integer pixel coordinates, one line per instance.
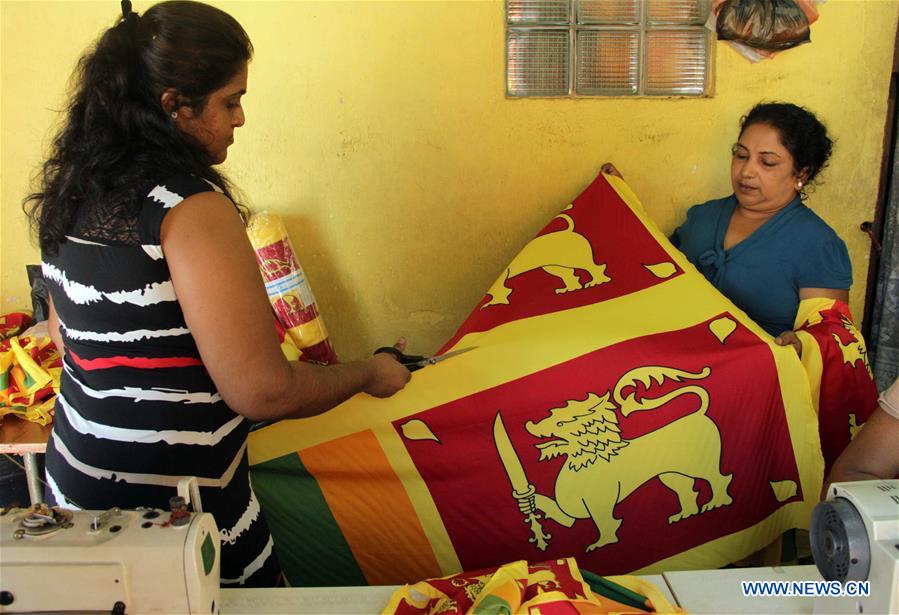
(609, 169)
(789, 338)
(387, 375)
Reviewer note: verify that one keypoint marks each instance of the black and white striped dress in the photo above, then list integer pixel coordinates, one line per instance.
(137, 410)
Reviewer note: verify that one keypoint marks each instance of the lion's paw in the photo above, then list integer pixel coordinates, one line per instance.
(681, 515)
(600, 544)
(500, 301)
(597, 281)
(724, 501)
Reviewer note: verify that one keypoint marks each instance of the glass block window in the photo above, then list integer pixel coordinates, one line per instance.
(607, 48)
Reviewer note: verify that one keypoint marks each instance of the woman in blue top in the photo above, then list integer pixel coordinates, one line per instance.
(761, 246)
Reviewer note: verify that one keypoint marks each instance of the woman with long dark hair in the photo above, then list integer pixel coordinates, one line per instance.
(155, 293)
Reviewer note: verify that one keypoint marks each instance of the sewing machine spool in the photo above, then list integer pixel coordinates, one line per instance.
(43, 520)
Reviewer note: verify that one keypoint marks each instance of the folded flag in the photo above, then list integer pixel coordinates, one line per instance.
(14, 323)
(29, 370)
(548, 587)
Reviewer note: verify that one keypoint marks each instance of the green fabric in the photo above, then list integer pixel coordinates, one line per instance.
(619, 593)
(310, 546)
(493, 605)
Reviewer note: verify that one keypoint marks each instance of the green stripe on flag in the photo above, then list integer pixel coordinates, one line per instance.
(308, 541)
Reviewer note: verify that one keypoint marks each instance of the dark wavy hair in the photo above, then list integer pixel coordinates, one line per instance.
(117, 140)
(801, 133)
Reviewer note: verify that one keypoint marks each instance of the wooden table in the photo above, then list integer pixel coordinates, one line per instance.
(19, 437)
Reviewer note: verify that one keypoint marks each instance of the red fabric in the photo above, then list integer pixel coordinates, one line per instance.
(848, 393)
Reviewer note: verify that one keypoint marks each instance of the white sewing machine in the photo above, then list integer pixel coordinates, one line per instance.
(854, 537)
(136, 561)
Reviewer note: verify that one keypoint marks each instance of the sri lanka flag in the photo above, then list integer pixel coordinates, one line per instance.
(617, 409)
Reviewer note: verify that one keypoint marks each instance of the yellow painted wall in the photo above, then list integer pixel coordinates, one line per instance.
(381, 131)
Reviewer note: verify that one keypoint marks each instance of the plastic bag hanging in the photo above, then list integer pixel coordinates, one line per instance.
(758, 29)
(288, 288)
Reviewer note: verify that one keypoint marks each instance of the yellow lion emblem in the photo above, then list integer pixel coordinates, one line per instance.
(855, 350)
(559, 254)
(602, 468)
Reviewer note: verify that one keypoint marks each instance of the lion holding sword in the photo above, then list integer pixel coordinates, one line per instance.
(602, 468)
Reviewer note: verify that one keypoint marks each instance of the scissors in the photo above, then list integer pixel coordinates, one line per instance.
(414, 362)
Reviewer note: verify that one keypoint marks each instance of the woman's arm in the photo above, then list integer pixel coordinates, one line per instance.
(839, 294)
(872, 454)
(223, 298)
(789, 337)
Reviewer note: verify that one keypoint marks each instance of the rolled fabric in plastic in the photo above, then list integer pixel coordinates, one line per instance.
(288, 289)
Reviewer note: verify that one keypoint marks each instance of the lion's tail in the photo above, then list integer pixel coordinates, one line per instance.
(567, 218)
(645, 375)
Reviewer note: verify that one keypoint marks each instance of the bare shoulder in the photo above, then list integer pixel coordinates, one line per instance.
(204, 213)
(205, 235)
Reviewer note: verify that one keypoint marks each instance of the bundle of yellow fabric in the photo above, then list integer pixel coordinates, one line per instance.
(29, 370)
(289, 291)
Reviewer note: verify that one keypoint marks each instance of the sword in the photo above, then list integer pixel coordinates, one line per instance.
(522, 490)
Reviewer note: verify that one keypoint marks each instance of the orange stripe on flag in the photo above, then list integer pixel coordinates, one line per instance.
(372, 508)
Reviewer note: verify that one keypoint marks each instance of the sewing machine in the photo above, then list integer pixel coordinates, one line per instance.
(854, 537)
(117, 561)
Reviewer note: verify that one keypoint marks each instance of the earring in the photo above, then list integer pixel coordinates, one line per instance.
(174, 115)
(799, 186)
